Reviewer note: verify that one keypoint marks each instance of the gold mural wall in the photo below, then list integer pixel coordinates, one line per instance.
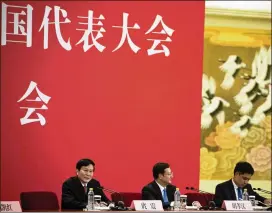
(236, 97)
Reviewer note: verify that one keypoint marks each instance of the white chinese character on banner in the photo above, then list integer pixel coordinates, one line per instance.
(57, 22)
(125, 34)
(42, 98)
(19, 27)
(165, 30)
(90, 30)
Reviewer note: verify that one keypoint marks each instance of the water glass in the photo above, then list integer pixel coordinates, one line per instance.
(252, 200)
(97, 200)
(183, 202)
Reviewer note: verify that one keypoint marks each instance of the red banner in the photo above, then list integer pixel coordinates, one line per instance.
(117, 82)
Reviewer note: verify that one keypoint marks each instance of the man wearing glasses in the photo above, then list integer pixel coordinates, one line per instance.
(161, 188)
(233, 188)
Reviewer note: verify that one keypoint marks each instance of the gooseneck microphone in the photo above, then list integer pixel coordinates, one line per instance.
(119, 204)
(262, 190)
(198, 190)
(107, 189)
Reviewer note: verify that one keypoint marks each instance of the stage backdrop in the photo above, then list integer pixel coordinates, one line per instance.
(117, 82)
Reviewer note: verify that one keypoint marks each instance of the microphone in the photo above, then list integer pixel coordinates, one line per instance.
(210, 203)
(198, 190)
(262, 190)
(107, 189)
(268, 205)
(119, 204)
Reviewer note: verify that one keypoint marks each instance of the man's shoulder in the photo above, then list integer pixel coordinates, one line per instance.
(94, 182)
(70, 180)
(249, 186)
(172, 187)
(149, 185)
(153, 184)
(224, 184)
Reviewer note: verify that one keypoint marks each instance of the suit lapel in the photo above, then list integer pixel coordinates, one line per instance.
(232, 190)
(157, 190)
(79, 190)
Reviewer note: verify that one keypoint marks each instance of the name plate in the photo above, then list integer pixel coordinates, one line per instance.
(10, 206)
(237, 205)
(147, 205)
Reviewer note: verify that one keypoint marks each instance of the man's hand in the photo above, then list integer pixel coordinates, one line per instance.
(103, 204)
(267, 201)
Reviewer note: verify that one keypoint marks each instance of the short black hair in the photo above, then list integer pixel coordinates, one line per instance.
(159, 168)
(84, 162)
(244, 168)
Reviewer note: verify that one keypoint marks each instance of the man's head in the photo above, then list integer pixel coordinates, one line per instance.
(242, 173)
(162, 173)
(85, 169)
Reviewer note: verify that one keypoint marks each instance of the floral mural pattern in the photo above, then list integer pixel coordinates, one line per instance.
(236, 115)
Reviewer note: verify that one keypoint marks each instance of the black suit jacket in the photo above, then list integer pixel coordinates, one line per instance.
(225, 191)
(153, 192)
(73, 194)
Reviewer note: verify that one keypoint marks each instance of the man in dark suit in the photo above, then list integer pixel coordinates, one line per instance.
(234, 188)
(161, 188)
(75, 189)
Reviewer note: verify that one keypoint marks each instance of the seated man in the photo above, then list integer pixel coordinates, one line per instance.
(75, 189)
(160, 188)
(233, 188)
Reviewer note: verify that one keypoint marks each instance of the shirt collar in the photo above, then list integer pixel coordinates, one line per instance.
(84, 184)
(161, 187)
(235, 186)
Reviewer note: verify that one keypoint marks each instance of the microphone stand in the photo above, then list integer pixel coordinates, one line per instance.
(263, 204)
(265, 191)
(119, 205)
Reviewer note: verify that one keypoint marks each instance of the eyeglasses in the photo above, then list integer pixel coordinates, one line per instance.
(169, 173)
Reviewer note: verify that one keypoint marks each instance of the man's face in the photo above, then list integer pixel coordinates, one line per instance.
(166, 177)
(241, 180)
(85, 174)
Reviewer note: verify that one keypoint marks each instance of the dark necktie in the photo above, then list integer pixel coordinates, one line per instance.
(239, 193)
(85, 189)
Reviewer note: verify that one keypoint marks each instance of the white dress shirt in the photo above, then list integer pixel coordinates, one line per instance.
(161, 188)
(235, 189)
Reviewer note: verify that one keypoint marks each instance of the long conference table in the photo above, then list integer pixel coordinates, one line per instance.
(187, 211)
